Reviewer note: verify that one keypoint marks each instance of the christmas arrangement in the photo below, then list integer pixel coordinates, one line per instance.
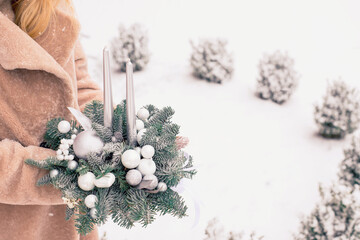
(131, 43)
(115, 163)
(211, 61)
(277, 77)
(339, 113)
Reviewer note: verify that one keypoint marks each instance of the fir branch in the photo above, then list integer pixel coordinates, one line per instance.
(103, 132)
(45, 180)
(160, 118)
(169, 202)
(95, 112)
(69, 213)
(121, 212)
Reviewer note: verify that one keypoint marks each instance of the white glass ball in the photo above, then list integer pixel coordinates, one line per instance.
(130, 158)
(140, 135)
(72, 165)
(152, 181)
(91, 200)
(86, 142)
(54, 173)
(133, 177)
(147, 166)
(138, 150)
(139, 124)
(162, 186)
(93, 213)
(86, 181)
(143, 114)
(147, 151)
(64, 126)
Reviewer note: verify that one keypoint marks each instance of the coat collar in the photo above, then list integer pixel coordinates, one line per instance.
(49, 52)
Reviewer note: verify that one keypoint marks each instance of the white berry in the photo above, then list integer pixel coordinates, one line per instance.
(86, 181)
(60, 157)
(72, 165)
(143, 114)
(66, 152)
(73, 137)
(93, 213)
(70, 141)
(162, 186)
(54, 173)
(91, 200)
(59, 152)
(70, 157)
(130, 159)
(133, 177)
(147, 151)
(147, 167)
(139, 124)
(64, 126)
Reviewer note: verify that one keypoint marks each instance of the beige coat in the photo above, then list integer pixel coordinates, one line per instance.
(38, 80)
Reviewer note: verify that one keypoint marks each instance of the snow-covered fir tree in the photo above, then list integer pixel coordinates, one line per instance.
(216, 231)
(335, 217)
(211, 60)
(277, 77)
(131, 43)
(339, 112)
(350, 167)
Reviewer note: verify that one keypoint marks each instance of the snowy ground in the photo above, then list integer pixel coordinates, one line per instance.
(259, 163)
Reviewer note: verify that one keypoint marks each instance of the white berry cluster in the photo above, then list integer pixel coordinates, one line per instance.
(63, 153)
(211, 61)
(131, 43)
(277, 77)
(140, 162)
(339, 113)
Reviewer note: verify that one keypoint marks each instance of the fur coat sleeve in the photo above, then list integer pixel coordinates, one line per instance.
(17, 179)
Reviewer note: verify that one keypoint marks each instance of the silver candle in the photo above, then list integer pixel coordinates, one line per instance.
(108, 99)
(130, 104)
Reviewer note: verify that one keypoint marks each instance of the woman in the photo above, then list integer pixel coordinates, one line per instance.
(42, 71)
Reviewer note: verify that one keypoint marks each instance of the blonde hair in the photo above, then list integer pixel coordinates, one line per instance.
(33, 16)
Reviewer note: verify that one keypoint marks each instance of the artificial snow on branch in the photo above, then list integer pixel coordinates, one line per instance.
(277, 77)
(339, 113)
(131, 43)
(211, 60)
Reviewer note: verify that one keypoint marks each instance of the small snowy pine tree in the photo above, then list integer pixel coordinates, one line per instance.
(336, 217)
(277, 77)
(131, 43)
(216, 231)
(211, 61)
(339, 113)
(350, 166)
